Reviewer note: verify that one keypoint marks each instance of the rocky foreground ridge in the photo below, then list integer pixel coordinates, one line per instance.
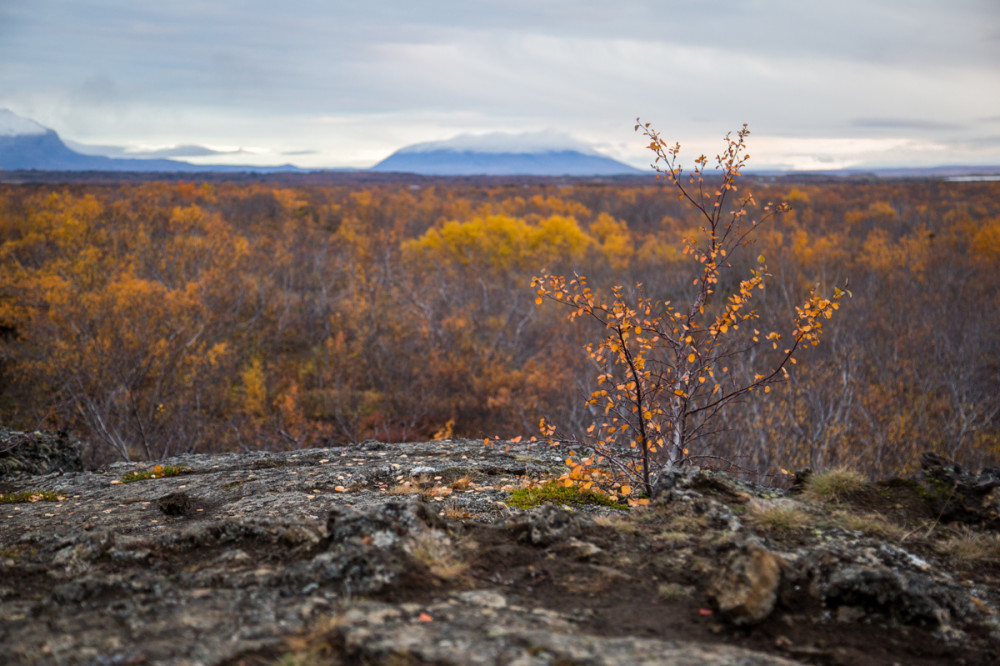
(408, 554)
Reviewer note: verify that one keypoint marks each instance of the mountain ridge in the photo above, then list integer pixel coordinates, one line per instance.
(548, 153)
(26, 145)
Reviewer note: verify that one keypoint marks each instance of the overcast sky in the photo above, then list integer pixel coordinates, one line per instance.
(328, 83)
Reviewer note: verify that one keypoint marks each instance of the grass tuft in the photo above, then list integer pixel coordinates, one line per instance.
(437, 553)
(971, 546)
(871, 524)
(834, 485)
(777, 516)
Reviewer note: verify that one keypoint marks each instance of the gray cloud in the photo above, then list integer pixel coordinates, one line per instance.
(259, 73)
(140, 153)
(903, 124)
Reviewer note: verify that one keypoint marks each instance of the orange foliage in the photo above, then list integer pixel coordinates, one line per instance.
(154, 318)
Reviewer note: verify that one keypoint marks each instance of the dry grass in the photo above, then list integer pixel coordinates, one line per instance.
(405, 488)
(688, 524)
(834, 485)
(462, 482)
(674, 591)
(453, 511)
(971, 546)
(436, 551)
(871, 524)
(782, 516)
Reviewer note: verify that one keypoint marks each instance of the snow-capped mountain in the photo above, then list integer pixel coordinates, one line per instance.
(12, 124)
(26, 145)
(501, 154)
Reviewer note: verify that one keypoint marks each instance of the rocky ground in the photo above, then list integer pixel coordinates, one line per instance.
(408, 554)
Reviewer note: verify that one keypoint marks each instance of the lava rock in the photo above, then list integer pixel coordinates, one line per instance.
(546, 525)
(175, 504)
(746, 588)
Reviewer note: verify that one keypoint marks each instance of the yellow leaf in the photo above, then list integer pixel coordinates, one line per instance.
(691, 357)
(626, 490)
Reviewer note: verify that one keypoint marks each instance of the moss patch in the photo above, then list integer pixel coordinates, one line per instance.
(157, 472)
(554, 492)
(31, 496)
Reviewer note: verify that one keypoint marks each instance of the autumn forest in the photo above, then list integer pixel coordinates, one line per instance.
(155, 318)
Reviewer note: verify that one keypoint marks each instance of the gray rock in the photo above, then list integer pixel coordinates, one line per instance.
(481, 628)
(175, 504)
(37, 453)
(746, 588)
(547, 524)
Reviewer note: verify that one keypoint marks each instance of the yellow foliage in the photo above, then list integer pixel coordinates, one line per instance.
(615, 240)
(985, 242)
(254, 388)
(501, 243)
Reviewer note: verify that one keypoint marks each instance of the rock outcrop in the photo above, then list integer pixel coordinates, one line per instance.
(407, 554)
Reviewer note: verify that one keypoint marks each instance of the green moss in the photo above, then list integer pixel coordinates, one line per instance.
(554, 492)
(157, 472)
(915, 487)
(31, 496)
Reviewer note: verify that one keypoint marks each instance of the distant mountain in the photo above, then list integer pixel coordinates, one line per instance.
(26, 145)
(499, 154)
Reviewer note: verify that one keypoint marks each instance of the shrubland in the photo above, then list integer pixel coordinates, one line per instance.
(158, 318)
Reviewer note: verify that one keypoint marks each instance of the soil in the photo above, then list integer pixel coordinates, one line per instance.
(407, 554)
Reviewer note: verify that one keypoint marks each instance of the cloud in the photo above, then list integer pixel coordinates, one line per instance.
(151, 153)
(187, 73)
(903, 124)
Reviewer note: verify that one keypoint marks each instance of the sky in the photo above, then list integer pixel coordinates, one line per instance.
(343, 83)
